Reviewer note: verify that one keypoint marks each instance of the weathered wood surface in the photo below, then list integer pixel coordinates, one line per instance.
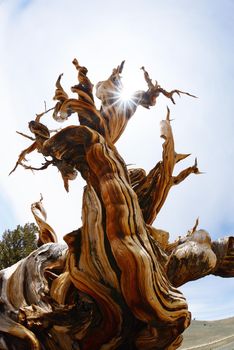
(46, 232)
(114, 285)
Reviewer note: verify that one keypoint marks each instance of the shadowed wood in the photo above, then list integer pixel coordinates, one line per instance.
(114, 285)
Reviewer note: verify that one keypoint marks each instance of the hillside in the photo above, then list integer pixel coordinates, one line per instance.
(206, 335)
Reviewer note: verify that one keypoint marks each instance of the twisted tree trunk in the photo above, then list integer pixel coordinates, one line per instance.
(114, 285)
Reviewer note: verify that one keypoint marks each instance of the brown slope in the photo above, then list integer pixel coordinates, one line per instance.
(204, 335)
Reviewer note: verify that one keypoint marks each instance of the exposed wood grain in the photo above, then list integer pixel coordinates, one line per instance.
(224, 250)
(46, 232)
(114, 285)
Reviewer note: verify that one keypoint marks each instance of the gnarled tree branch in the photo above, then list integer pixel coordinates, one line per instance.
(114, 285)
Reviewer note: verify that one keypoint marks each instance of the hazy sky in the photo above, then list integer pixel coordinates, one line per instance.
(183, 44)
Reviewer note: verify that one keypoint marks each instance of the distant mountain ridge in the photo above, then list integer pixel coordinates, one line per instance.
(208, 335)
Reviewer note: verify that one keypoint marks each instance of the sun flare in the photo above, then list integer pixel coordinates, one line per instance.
(131, 82)
(126, 94)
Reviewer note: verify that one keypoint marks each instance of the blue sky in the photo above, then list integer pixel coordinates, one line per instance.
(183, 44)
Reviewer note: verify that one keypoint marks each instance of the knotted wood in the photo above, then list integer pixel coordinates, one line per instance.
(114, 285)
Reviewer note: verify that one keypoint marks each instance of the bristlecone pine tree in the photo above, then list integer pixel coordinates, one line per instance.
(114, 285)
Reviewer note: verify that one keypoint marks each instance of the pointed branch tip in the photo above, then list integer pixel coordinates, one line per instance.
(196, 224)
(28, 137)
(121, 67)
(168, 114)
(76, 63)
(190, 232)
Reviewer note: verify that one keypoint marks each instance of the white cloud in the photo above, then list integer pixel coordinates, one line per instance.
(186, 46)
